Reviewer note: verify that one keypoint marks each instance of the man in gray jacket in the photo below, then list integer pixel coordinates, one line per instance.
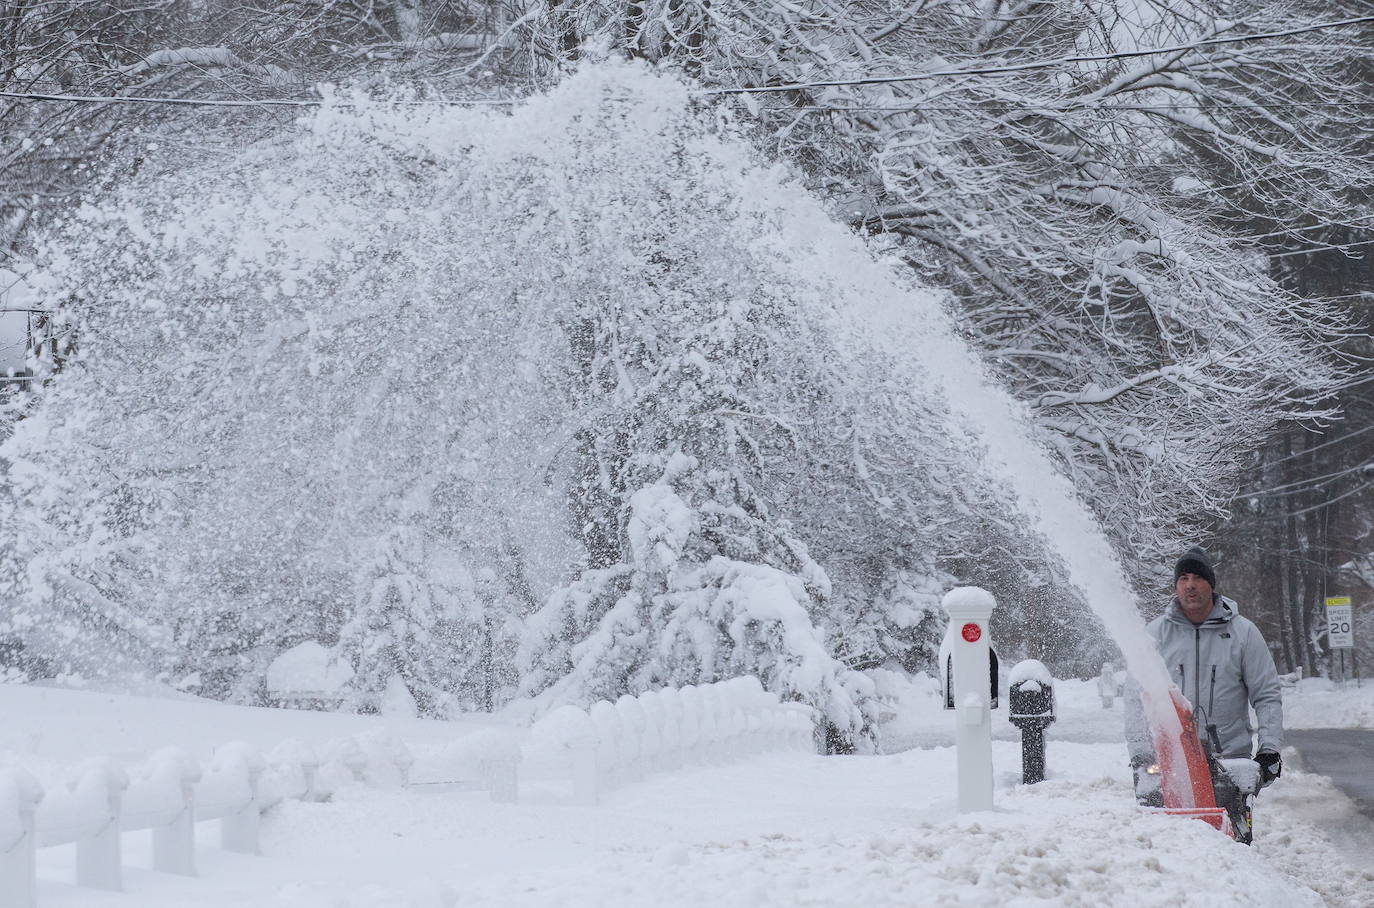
(1220, 662)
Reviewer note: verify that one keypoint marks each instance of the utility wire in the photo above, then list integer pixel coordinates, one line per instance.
(1361, 225)
(265, 102)
(1309, 482)
(1333, 247)
(135, 99)
(914, 106)
(1338, 439)
(1330, 501)
(1037, 64)
(1066, 107)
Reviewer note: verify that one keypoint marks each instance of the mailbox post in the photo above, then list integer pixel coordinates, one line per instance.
(1106, 684)
(969, 609)
(1030, 707)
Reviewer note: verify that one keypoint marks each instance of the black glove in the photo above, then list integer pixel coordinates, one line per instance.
(1270, 766)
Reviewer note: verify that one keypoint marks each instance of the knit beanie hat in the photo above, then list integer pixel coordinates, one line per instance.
(1195, 561)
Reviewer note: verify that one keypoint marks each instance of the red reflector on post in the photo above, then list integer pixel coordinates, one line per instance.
(971, 632)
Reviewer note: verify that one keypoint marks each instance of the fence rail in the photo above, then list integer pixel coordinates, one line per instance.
(168, 794)
(610, 744)
(595, 750)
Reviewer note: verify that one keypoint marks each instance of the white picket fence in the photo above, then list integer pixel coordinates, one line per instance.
(169, 794)
(614, 743)
(587, 751)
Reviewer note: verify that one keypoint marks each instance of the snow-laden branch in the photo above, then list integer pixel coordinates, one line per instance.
(209, 57)
(1092, 394)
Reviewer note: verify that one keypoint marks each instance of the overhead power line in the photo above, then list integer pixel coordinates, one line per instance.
(1039, 64)
(137, 99)
(216, 102)
(1068, 107)
(1330, 501)
(1365, 224)
(1331, 247)
(1326, 444)
(1302, 485)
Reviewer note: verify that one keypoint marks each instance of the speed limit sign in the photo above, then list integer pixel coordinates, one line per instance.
(1339, 622)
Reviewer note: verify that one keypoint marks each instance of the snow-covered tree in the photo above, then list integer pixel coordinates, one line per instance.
(391, 634)
(58, 59)
(257, 388)
(1088, 179)
(733, 433)
(424, 333)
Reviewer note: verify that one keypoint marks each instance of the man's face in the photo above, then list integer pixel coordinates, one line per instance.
(1194, 596)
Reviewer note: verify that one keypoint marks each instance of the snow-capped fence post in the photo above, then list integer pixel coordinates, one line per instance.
(388, 759)
(19, 797)
(670, 702)
(344, 763)
(239, 825)
(689, 733)
(651, 739)
(99, 857)
(708, 739)
(969, 609)
(632, 721)
(799, 726)
(586, 778)
(298, 766)
(501, 779)
(499, 769)
(754, 705)
(608, 742)
(174, 843)
(566, 738)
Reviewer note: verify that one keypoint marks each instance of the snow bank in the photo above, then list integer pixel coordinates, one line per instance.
(785, 829)
(1319, 703)
(804, 830)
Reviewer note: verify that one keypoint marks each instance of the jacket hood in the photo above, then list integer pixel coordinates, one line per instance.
(1223, 610)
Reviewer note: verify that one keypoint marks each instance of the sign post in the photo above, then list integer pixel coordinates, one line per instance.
(1340, 627)
(970, 610)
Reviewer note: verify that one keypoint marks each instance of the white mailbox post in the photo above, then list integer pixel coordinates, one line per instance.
(969, 609)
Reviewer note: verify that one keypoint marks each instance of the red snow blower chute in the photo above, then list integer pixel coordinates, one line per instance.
(1192, 779)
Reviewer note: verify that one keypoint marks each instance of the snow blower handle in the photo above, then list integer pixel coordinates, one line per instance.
(1214, 740)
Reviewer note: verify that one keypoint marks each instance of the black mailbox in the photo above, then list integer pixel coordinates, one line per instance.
(1031, 704)
(1030, 707)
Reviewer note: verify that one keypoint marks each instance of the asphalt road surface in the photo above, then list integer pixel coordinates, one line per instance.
(1344, 755)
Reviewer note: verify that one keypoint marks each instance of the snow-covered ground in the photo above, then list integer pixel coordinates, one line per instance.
(788, 829)
(1319, 703)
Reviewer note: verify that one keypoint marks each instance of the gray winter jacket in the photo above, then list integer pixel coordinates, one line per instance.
(1223, 667)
